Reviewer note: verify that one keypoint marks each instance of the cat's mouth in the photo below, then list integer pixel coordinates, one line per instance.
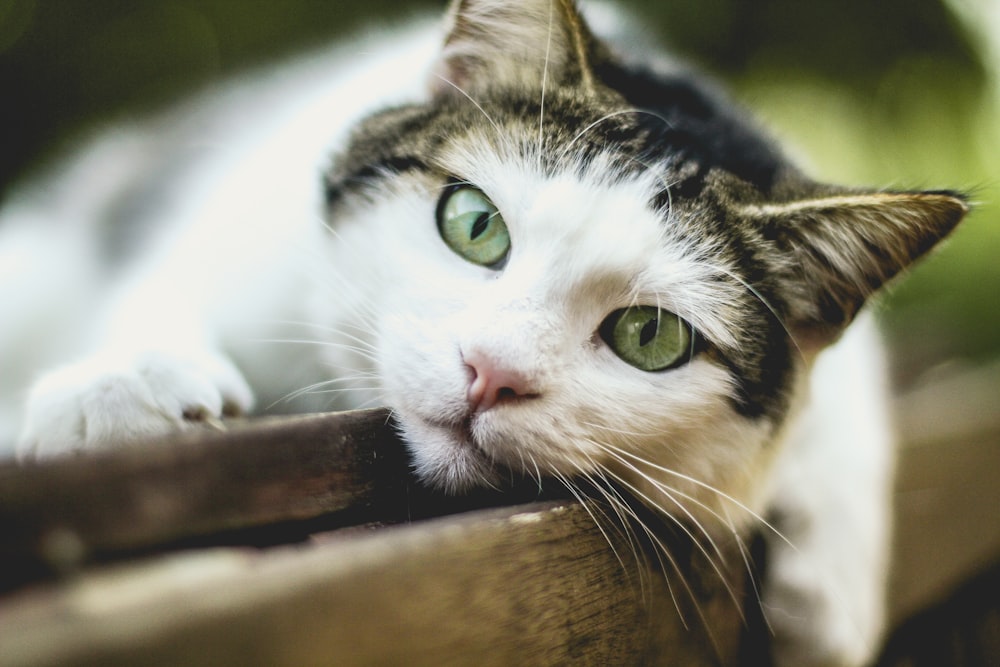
(459, 433)
(449, 454)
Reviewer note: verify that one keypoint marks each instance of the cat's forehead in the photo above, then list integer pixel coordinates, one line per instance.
(596, 233)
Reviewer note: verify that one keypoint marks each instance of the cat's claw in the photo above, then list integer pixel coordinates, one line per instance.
(105, 401)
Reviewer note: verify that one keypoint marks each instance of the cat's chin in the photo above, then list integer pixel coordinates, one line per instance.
(446, 456)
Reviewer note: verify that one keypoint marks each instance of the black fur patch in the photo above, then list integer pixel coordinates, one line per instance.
(690, 123)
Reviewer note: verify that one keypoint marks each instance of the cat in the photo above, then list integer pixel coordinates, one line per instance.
(547, 254)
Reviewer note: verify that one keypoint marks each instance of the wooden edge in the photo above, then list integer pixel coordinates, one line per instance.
(947, 527)
(62, 512)
(536, 584)
(350, 468)
(266, 481)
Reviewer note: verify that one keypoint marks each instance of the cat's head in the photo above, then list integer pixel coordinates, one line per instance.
(591, 269)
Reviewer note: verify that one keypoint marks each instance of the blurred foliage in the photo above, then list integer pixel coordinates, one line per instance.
(67, 64)
(892, 93)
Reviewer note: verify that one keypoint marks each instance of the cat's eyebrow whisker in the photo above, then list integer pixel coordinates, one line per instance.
(469, 97)
(655, 171)
(587, 128)
(545, 80)
(606, 117)
(760, 297)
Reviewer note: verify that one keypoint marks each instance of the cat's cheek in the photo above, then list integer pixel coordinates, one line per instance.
(424, 388)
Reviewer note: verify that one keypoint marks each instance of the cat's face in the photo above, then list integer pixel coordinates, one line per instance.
(570, 287)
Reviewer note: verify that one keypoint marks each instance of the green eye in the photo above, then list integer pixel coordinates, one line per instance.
(649, 338)
(472, 226)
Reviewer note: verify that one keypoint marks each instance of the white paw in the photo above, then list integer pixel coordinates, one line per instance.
(107, 400)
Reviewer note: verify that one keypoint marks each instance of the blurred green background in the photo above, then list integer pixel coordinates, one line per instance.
(899, 93)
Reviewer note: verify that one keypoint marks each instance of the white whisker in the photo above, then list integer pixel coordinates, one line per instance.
(322, 343)
(614, 114)
(760, 297)
(628, 516)
(545, 80)
(582, 499)
(619, 431)
(474, 102)
(668, 492)
(708, 487)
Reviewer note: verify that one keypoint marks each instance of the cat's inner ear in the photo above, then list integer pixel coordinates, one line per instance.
(835, 250)
(497, 44)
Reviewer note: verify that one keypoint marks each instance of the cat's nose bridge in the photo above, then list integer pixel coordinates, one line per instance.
(507, 352)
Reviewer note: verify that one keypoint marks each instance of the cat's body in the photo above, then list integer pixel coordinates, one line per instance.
(532, 274)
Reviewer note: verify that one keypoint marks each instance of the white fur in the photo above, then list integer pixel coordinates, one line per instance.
(831, 489)
(580, 250)
(245, 289)
(251, 194)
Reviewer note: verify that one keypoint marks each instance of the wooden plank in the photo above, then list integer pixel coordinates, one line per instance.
(63, 512)
(539, 581)
(263, 482)
(947, 491)
(543, 582)
(536, 584)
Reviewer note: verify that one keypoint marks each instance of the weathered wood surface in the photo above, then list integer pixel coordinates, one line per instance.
(530, 584)
(59, 512)
(947, 498)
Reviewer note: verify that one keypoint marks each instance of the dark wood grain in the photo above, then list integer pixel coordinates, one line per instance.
(259, 546)
(155, 539)
(55, 513)
(536, 584)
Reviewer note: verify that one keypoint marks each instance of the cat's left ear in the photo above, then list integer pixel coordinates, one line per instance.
(497, 44)
(834, 250)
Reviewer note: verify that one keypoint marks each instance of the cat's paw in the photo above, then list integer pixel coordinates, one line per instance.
(107, 400)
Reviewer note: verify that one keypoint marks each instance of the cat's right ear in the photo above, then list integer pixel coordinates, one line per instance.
(522, 45)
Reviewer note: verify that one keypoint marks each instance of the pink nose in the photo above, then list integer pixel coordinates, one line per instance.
(493, 382)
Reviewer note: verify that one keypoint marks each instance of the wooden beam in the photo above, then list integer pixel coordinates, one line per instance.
(540, 583)
(64, 512)
(149, 541)
(947, 488)
(535, 584)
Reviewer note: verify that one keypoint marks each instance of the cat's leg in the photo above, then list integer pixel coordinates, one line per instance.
(825, 586)
(155, 367)
(112, 398)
